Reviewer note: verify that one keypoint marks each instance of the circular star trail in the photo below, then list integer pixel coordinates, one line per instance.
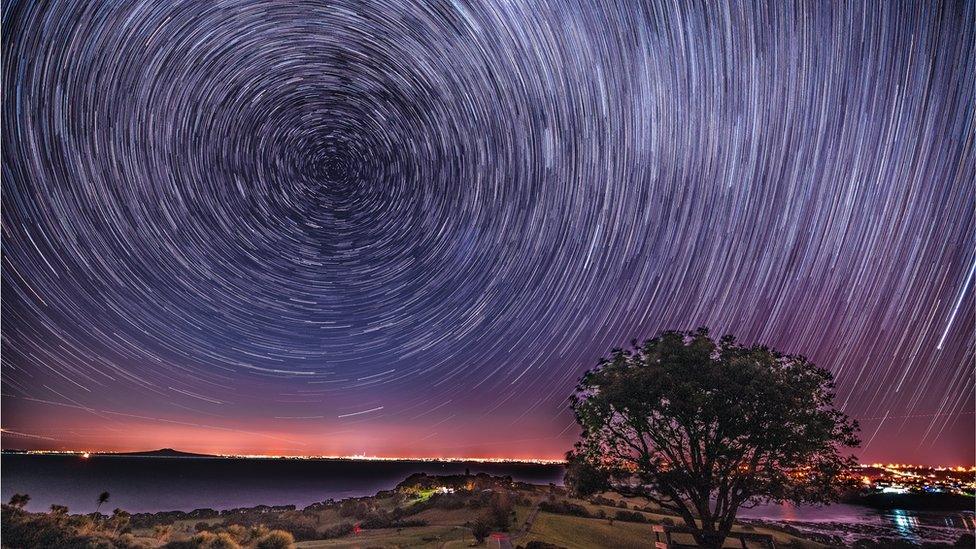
(344, 226)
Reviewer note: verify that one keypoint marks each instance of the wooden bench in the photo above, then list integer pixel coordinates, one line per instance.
(665, 532)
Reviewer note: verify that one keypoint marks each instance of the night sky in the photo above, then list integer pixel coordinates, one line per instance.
(406, 229)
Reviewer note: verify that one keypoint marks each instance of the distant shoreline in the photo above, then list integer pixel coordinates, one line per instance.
(915, 502)
(188, 455)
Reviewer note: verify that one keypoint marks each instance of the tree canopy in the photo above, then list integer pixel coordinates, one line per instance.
(704, 427)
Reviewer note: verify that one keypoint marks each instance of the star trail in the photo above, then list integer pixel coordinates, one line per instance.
(401, 228)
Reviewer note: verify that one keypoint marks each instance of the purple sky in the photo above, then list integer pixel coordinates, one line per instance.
(407, 229)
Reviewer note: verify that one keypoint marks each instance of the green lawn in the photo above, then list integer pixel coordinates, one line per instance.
(584, 533)
(427, 536)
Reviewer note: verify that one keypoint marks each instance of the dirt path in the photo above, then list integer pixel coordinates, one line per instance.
(527, 527)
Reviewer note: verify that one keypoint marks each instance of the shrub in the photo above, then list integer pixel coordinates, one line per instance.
(383, 519)
(19, 500)
(257, 531)
(238, 532)
(205, 540)
(22, 529)
(339, 530)
(501, 510)
(276, 539)
(600, 500)
(542, 545)
(162, 532)
(481, 528)
(630, 516)
(354, 508)
(563, 507)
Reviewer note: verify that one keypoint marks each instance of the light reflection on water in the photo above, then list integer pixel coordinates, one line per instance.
(853, 521)
(906, 525)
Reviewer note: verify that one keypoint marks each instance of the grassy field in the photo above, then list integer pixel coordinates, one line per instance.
(443, 520)
(585, 533)
(576, 532)
(426, 536)
(446, 530)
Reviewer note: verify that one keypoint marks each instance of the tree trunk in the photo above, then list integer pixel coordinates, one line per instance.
(709, 537)
(710, 540)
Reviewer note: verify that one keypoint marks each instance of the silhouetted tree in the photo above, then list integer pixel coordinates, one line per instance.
(19, 500)
(582, 478)
(59, 510)
(102, 498)
(501, 510)
(481, 528)
(703, 428)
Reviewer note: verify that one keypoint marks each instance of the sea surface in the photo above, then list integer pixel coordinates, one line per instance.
(149, 484)
(853, 522)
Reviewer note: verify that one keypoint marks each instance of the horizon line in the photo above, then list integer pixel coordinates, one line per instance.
(360, 457)
(363, 457)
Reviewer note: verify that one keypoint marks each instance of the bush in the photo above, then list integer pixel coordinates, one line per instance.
(19, 528)
(630, 516)
(162, 532)
(205, 540)
(276, 539)
(501, 510)
(238, 532)
(339, 530)
(385, 519)
(542, 545)
(481, 529)
(563, 507)
(353, 508)
(600, 500)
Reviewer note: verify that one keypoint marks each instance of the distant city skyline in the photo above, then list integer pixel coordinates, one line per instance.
(407, 228)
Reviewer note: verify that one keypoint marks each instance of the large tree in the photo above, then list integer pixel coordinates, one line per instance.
(703, 428)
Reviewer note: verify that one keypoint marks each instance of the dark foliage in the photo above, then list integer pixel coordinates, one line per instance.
(276, 539)
(338, 530)
(630, 516)
(563, 507)
(481, 528)
(20, 529)
(148, 520)
(18, 501)
(540, 545)
(500, 511)
(703, 428)
(583, 478)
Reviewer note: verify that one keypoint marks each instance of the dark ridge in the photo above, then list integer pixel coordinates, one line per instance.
(164, 452)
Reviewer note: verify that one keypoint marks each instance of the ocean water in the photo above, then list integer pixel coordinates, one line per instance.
(149, 484)
(852, 522)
